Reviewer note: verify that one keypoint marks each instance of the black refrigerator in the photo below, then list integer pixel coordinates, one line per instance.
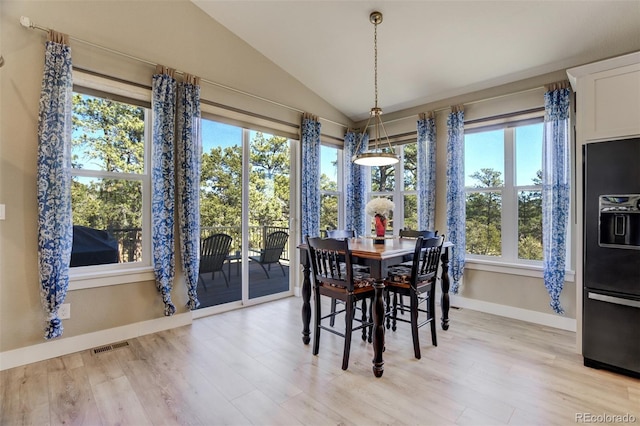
(611, 262)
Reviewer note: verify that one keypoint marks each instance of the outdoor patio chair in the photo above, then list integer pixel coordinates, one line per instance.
(213, 253)
(273, 247)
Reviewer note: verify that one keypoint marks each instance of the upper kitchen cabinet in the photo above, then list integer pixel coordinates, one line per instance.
(608, 98)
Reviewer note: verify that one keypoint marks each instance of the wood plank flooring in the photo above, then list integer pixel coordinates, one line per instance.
(249, 367)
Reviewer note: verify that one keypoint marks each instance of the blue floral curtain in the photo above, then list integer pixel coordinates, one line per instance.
(55, 223)
(426, 165)
(189, 152)
(556, 174)
(310, 190)
(355, 182)
(163, 104)
(456, 194)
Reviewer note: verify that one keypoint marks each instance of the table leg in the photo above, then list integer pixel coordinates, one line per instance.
(444, 300)
(306, 297)
(378, 329)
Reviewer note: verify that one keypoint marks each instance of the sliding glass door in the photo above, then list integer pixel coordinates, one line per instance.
(268, 214)
(244, 210)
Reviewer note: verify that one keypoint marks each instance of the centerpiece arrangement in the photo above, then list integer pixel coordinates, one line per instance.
(380, 208)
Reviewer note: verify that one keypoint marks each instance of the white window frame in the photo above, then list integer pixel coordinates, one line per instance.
(510, 264)
(398, 192)
(81, 277)
(339, 192)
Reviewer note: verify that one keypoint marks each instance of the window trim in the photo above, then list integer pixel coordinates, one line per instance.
(398, 194)
(340, 183)
(82, 277)
(509, 196)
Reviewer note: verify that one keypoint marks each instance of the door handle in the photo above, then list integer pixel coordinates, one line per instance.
(614, 300)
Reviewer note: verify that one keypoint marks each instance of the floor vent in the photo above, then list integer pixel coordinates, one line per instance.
(108, 348)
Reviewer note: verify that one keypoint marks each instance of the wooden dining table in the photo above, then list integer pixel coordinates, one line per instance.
(378, 257)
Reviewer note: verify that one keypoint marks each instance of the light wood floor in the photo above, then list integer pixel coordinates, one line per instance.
(250, 367)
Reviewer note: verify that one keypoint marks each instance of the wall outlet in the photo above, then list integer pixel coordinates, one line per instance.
(64, 311)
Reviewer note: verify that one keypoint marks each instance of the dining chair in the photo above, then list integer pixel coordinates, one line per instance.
(341, 234)
(338, 280)
(418, 283)
(273, 247)
(413, 234)
(213, 253)
(407, 258)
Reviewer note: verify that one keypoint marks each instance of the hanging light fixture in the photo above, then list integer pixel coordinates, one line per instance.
(377, 156)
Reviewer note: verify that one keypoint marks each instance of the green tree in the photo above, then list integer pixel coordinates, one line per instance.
(530, 222)
(107, 136)
(483, 214)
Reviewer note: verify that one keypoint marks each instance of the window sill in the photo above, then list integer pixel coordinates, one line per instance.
(520, 269)
(81, 280)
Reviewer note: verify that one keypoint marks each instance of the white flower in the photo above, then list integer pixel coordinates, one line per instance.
(381, 206)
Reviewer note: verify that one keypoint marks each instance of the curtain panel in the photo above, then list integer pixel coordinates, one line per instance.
(556, 166)
(163, 104)
(355, 182)
(310, 187)
(456, 194)
(189, 157)
(55, 222)
(426, 164)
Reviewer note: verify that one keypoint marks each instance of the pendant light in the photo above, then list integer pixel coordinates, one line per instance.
(377, 156)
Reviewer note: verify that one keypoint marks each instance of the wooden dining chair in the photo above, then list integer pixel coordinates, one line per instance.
(417, 282)
(341, 234)
(338, 280)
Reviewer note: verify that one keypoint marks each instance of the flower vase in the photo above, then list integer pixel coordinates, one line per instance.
(381, 228)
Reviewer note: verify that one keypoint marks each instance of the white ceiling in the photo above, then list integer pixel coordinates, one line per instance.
(427, 50)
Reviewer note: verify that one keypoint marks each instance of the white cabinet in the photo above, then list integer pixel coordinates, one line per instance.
(608, 98)
(607, 108)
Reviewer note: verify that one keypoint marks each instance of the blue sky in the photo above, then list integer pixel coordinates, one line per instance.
(482, 149)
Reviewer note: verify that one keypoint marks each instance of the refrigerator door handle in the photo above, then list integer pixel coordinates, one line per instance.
(614, 300)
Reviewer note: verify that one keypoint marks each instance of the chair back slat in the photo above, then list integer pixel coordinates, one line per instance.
(213, 252)
(413, 233)
(273, 246)
(326, 257)
(426, 259)
(341, 233)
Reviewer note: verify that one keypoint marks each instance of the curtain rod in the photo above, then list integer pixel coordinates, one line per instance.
(466, 104)
(27, 23)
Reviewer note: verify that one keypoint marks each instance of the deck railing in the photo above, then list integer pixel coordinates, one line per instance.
(130, 239)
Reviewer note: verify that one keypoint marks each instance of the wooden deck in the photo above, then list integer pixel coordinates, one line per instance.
(216, 291)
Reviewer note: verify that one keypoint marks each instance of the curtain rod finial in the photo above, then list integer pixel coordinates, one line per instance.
(25, 21)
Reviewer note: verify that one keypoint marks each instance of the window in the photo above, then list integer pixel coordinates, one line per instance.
(399, 183)
(503, 180)
(110, 187)
(330, 195)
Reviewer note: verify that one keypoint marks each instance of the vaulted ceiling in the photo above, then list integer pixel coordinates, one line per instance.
(427, 50)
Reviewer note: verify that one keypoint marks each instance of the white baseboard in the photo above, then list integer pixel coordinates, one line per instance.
(535, 317)
(66, 346)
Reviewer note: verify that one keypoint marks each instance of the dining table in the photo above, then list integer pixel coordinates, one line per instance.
(378, 256)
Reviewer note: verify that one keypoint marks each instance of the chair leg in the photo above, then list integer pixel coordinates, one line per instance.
(414, 324)
(316, 326)
(265, 270)
(332, 320)
(395, 311)
(348, 331)
(432, 314)
(202, 281)
(387, 310)
(226, 280)
(282, 267)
